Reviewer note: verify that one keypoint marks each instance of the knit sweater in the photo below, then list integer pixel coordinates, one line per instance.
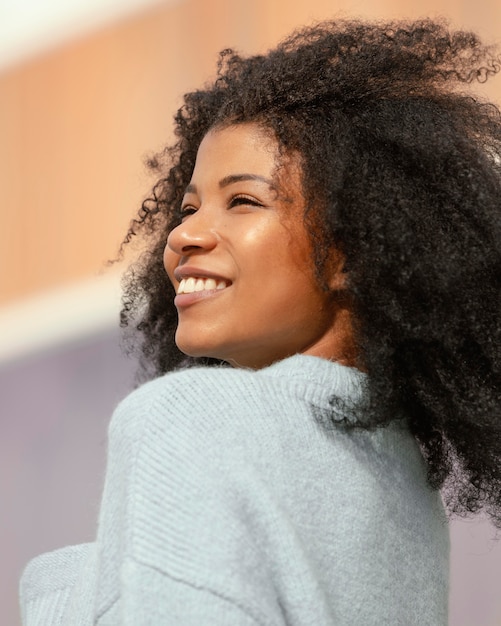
(233, 497)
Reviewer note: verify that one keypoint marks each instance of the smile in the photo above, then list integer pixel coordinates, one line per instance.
(192, 284)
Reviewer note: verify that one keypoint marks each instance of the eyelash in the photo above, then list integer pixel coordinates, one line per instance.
(239, 200)
(186, 211)
(243, 199)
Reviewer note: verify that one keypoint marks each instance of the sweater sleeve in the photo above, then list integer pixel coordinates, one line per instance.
(174, 537)
(48, 584)
(152, 597)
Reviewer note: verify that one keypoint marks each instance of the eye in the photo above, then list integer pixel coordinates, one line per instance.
(242, 200)
(186, 211)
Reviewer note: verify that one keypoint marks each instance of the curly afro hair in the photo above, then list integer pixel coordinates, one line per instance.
(403, 169)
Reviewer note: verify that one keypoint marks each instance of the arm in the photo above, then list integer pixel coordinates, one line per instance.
(174, 545)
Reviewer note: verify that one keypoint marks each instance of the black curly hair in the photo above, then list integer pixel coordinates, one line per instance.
(403, 169)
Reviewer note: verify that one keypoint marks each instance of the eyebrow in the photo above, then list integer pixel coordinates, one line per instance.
(235, 178)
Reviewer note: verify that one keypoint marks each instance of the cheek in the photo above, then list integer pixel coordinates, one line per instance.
(171, 260)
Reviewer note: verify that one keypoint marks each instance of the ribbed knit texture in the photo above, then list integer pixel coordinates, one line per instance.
(232, 499)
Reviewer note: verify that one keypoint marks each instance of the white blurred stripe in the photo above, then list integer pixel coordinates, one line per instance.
(55, 317)
(29, 27)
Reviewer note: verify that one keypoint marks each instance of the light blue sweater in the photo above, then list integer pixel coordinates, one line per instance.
(230, 501)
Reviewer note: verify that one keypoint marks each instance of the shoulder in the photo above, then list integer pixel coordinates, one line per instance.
(298, 379)
(177, 383)
(286, 409)
(218, 408)
(285, 395)
(195, 403)
(190, 388)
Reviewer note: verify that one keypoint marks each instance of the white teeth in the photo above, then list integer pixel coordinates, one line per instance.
(191, 284)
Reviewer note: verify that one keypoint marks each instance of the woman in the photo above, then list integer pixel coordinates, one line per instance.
(328, 224)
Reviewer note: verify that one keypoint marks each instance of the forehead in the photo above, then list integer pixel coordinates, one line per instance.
(237, 144)
(242, 149)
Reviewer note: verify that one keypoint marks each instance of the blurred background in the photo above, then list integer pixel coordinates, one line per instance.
(87, 91)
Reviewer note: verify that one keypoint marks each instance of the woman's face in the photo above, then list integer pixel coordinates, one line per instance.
(241, 260)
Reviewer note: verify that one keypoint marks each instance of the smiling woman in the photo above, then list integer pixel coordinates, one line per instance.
(246, 233)
(323, 270)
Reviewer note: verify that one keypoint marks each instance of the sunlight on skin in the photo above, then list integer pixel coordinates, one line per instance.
(239, 230)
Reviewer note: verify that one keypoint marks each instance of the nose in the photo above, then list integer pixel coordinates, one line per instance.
(196, 233)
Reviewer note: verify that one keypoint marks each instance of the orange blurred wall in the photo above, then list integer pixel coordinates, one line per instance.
(77, 123)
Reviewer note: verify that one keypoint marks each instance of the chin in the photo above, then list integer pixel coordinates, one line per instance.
(196, 351)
